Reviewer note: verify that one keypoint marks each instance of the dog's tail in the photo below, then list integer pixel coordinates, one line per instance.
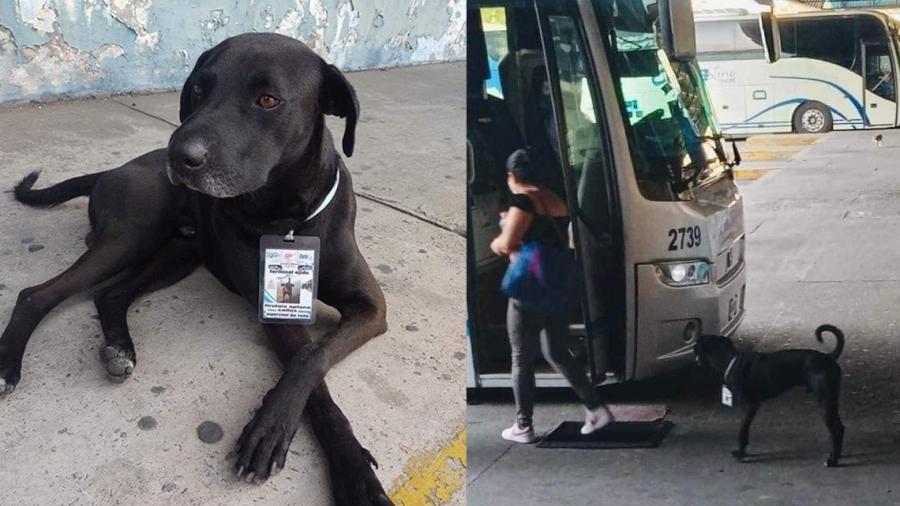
(57, 194)
(838, 335)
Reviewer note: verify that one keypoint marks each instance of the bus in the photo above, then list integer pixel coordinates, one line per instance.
(838, 71)
(629, 138)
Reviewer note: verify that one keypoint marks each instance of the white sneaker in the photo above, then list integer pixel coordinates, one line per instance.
(518, 434)
(596, 419)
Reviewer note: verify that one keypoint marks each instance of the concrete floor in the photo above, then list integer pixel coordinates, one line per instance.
(69, 436)
(823, 246)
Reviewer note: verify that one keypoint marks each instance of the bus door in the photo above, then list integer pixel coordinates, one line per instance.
(590, 183)
(491, 137)
(506, 108)
(880, 101)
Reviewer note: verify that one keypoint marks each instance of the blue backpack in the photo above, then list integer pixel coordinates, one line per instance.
(542, 276)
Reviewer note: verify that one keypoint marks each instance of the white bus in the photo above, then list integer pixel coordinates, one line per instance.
(626, 135)
(838, 70)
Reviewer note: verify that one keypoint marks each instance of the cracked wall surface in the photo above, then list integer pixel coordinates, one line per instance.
(54, 48)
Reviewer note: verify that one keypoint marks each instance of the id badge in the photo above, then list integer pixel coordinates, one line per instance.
(288, 279)
(727, 398)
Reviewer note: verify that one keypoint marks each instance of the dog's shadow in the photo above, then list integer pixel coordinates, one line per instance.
(776, 456)
(856, 459)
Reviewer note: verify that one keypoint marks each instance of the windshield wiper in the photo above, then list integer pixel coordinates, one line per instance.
(687, 184)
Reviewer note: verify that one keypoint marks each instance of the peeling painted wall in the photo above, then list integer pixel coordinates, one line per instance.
(52, 48)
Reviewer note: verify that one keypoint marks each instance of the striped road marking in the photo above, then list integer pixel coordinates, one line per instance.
(767, 156)
(433, 477)
(749, 174)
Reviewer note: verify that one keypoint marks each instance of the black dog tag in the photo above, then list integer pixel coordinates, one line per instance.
(288, 279)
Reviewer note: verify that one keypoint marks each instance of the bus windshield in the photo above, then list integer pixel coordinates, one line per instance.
(674, 138)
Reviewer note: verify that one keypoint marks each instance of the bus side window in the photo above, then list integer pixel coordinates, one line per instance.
(787, 31)
(493, 23)
(830, 40)
(729, 40)
(748, 41)
(715, 40)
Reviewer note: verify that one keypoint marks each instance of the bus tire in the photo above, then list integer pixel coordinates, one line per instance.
(813, 118)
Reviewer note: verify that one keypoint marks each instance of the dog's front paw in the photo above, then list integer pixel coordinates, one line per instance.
(10, 374)
(118, 362)
(7, 385)
(738, 454)
(353, 480)
(831, 462)
(264, 443)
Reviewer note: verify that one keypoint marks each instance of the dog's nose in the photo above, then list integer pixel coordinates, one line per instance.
(191, 154)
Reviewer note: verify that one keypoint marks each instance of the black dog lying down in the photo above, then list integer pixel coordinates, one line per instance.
(755, 377)
(252, 157)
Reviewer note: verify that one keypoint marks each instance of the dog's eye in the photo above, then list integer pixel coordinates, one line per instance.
(267, 101)
(197, 90)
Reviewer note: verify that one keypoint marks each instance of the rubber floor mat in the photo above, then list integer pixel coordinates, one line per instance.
(643, 434)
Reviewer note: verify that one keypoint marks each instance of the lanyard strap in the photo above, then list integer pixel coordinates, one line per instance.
(728, 369)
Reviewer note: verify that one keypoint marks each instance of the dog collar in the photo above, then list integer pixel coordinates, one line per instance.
(328, 198)
(728, 369)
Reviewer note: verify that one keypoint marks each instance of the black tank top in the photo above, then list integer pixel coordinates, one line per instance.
(542, 227)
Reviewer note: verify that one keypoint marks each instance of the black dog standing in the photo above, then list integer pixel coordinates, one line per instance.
(755, 377)
(252, 157)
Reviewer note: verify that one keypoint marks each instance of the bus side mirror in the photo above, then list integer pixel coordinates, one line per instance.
(771, 38)
(676, 22)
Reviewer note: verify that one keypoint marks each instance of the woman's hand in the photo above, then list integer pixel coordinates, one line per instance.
(515, 224)
(496, 247)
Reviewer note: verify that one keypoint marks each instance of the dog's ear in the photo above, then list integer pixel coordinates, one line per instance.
(185, 108)
(338, 98)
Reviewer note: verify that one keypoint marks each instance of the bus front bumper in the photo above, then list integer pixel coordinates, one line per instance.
(670, 319)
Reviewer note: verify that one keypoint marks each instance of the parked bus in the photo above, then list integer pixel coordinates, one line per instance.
(838, 70)
(658, 223)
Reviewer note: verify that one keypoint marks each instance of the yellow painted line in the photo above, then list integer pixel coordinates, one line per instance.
(784, 139)
(433, 477)
(766, 156)
(749, 174)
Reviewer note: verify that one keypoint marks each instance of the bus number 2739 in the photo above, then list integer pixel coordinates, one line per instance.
(684, 237)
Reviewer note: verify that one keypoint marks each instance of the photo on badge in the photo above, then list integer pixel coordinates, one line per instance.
(680, 252)
(234, 239)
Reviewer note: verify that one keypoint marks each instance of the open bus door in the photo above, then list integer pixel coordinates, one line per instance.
(547, 100)
(589, 174)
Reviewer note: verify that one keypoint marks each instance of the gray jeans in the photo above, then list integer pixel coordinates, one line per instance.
(529, 328)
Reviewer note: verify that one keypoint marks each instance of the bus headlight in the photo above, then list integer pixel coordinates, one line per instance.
(684, 273)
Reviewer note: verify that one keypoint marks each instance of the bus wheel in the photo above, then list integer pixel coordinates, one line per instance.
(812, 118)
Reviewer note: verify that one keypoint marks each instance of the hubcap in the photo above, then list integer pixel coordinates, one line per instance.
(813, 120)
